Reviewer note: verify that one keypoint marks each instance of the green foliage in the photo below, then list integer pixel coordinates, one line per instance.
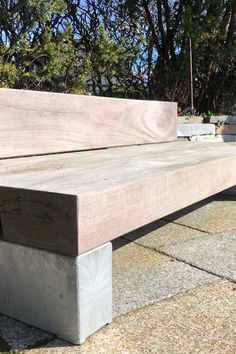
(107, 56)
(40, 54)
(121, 48)
(8, 75)
(215, 53)
(107, 61)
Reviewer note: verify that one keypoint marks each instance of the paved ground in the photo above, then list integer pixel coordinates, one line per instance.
(174, 290)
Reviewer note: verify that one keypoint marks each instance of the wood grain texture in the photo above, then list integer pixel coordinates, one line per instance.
(34, 123)
(117, 190)
(39, 219)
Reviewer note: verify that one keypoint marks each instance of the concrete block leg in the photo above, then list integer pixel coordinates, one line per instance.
(68, 296)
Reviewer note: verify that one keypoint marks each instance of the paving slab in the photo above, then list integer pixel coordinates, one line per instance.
(212, 215)
(215, 254)
(163, 233)
(199, 321)
(142, 276)
(16, 335)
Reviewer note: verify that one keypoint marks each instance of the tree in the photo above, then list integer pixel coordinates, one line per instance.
(138, 48)
(36, 47)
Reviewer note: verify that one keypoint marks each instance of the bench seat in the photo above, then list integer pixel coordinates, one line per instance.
(71, 203)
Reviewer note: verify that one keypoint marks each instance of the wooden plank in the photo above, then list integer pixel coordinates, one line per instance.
(41, 123)
(117, 190)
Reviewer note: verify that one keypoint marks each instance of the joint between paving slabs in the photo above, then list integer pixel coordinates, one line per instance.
(153, 250)
(187, 226)
(199, 268)
(174, 258)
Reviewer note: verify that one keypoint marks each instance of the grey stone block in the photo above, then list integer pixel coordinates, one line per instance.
(219, 138)
(188, 130)
(212, 120)
(189, 119)
(68, 296)
(224, 118)
(207, 138)
(228, 138)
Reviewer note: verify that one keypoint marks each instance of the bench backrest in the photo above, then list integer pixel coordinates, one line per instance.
(34, 123)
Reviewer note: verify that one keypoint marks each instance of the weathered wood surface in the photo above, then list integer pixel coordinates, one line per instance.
(71, 203)
(40, 122)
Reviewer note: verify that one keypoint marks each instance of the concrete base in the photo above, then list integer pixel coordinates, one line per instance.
(68, 296)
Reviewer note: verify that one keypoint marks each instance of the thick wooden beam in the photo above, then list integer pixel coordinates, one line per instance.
(42, 123)
(71, 203)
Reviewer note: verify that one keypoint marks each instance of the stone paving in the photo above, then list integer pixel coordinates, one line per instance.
(174, 290)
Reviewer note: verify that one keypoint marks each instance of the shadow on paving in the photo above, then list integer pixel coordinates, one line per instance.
(4, 348)
(194, 207)
(16, 336)
(142, 231)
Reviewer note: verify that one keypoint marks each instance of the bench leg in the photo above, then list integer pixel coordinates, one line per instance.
(68, 296)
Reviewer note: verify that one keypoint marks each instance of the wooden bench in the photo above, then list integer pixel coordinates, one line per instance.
(75, 173)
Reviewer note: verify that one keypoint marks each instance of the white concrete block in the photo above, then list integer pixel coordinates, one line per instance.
(214, 138)
(207, 138)
(68, 296)
(188, 130)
